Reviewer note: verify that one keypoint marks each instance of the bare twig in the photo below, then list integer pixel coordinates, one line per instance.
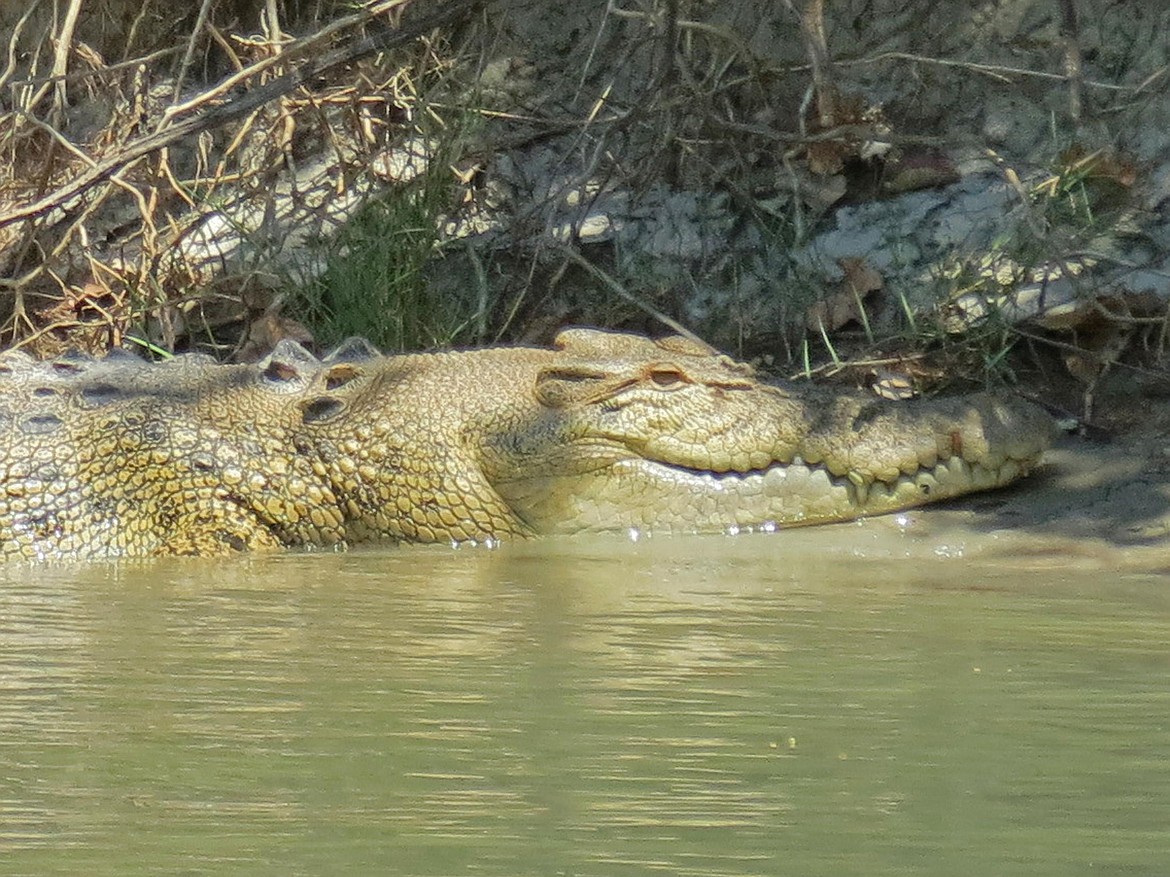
(812, 28)
(997, 70)
(220, 114)
(300, 47)
(612, 285)
(61, 55)
(272, 25)
(13, 40)
(185, 65)
(104, 70)
(1070, 33)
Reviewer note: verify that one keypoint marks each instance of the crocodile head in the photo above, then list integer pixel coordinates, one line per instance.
(669, 435)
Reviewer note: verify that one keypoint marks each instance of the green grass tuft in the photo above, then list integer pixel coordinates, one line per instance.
(374, 283)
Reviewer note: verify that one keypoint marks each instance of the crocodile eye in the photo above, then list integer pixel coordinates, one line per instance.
(667, 377)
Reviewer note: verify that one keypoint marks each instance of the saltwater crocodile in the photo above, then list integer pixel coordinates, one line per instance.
(604, 431)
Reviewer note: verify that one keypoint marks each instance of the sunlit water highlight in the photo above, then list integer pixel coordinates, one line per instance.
(758, 705)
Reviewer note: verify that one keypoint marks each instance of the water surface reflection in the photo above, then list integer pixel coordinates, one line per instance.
(742, 706)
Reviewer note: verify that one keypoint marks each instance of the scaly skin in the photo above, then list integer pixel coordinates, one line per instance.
(607, 431)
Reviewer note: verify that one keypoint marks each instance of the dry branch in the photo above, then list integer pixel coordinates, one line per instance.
(233, 109)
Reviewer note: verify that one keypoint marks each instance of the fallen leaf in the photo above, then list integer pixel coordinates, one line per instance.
(844, 305)
(268, 329)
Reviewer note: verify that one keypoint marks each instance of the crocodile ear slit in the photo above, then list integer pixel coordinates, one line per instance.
(279, 372)
(667, 376)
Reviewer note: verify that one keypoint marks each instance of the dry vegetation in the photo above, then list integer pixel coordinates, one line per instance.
(143, 170)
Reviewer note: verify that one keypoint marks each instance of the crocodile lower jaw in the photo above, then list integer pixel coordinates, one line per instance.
(645, 495)
(830, 497)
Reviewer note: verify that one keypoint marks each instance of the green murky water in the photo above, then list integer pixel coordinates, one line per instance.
(749, 706)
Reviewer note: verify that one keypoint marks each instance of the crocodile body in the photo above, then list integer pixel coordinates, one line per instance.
(604, 431)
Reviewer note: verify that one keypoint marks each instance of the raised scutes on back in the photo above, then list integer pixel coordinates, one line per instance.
(338, 383)
(118, 375)
(39, 393)
(290, 368)
(355, 349)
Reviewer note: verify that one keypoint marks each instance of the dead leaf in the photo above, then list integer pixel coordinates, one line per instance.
(827, 157)
(268, 329)
(844, 305)
(849, 112)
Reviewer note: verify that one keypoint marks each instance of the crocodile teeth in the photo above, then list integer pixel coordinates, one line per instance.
(860, 488)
